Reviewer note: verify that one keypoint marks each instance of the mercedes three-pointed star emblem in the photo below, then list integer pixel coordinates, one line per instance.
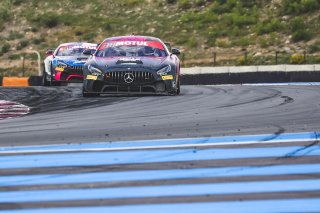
(128, 78)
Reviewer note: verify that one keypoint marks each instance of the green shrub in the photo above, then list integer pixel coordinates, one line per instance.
(223, 43)
(14, 35)
(299, 6)
(4, 13)
(235, 19)
(171, 1)
(200, 2)
(314, 59)
(184, 4)
(314, 48)
(48, 20)
(39, 40)
(310, 5)
(269, 26)
(191, 42)
(130, 2)
(14, 57)
(89, 37)
(5, 48)
(302, 35)
(223, 6)
(244, 60)
(17, 2)
(22, 44)
(299, 30)
(297, 24)
(263, 42)
(297, 58)
(34, 29)
(242, 41)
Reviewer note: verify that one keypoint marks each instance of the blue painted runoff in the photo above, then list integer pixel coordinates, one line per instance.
(157, 174)
(267, 206)
(160, 191)
(149, 156)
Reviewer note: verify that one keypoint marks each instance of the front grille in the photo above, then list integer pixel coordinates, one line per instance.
(76, 68)
(118, 77)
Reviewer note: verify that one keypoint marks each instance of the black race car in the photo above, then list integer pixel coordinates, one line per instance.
(132, 64)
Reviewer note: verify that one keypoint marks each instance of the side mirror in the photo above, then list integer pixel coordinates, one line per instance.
(168, 45)
(49, 52)
(88, 52)
(175, 51)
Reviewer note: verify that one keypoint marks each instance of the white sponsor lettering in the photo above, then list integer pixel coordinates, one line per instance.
(79, 47)
(126, 43)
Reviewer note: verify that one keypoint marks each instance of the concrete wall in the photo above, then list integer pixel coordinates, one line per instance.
(250, 74)
(250, 69)
(219, 75)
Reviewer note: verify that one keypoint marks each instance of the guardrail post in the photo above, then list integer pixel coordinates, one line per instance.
(22, 58)
(304, 57)
(214, 59)
(276, 57)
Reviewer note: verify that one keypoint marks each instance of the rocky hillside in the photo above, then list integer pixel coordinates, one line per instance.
(228, 29)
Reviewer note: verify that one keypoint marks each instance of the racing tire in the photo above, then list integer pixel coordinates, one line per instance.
(52, 82)
(178, 87)
(176, 91)
(88, 95)
(45, 82)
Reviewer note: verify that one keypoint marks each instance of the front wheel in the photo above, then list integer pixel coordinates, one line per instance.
(178, 87)
(45, 81)
(85, 94)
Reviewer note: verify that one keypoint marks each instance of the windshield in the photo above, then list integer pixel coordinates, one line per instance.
(72, 50)
(132, 49)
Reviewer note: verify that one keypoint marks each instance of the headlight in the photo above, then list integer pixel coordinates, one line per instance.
(164, 71)
(61, 65)
(94, 70)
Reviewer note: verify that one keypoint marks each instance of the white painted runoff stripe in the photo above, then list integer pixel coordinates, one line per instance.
(285, 84)
(165, 144)
(150, 156)
(145, 175)
(161, 191)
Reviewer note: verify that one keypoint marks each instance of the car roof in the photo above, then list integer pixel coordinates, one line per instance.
(76, 43)
(133, 38)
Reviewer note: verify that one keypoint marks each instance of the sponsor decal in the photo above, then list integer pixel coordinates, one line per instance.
(126, 43)
(70, 47)
(167, 77)
(153, 44)
(92, 77)
(59, 69)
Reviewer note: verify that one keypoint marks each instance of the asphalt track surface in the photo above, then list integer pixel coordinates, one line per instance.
(211, 149)
(62, 115)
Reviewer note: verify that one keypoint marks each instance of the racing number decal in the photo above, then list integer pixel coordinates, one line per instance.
(59, 69)
(167, 77)
(92, 77)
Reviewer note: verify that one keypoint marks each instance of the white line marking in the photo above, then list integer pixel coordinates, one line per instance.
(155, 147)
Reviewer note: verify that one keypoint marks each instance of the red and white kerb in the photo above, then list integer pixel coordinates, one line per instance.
(10, 109)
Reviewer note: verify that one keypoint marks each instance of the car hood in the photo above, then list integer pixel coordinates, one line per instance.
(71, 60)
(150, 62)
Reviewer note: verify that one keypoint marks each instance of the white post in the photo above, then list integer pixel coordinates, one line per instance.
(39, 60)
